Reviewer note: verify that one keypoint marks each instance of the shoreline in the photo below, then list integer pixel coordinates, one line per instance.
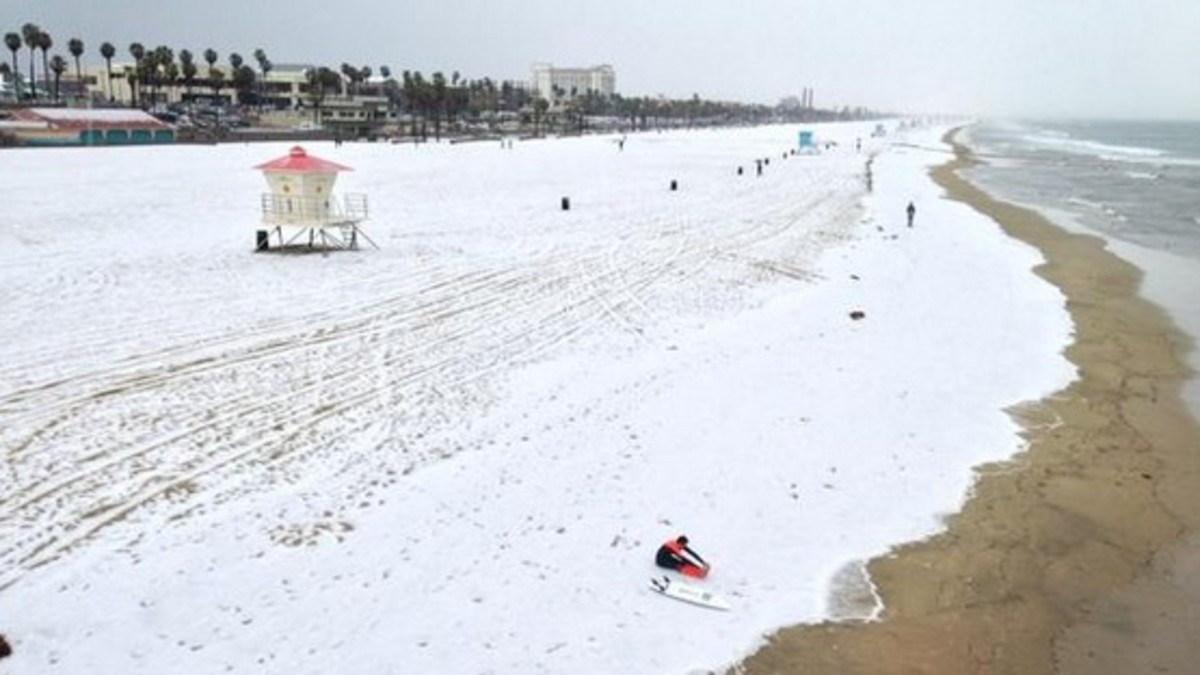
(1081, 554)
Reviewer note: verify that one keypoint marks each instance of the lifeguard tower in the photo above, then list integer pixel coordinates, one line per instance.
(301, 202)
(807, 145)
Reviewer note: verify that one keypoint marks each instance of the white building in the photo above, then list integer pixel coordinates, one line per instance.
(552, 83)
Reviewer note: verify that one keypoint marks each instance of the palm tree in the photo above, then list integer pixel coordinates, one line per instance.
(75, 46)
(540, 106)
(187, 67)
(409, 88)
(364, 77)
(162, 68)
(13, 42)
(44, 43)
(58, 65)
(391, 89)
(189, 70)
(30, 33)
(216, 79)
(320, 80)
(264, 65)
(235, 69)
(439, 99)
(243, 81)
(108, 51)
(210, 56)
(138, 52)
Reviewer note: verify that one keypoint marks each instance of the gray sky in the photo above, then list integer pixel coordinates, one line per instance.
(1110, 58)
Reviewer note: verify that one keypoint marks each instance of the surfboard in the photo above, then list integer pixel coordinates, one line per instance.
(688, 593)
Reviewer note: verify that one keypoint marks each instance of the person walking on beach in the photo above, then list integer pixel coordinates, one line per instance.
(912, 212)
(674, 554)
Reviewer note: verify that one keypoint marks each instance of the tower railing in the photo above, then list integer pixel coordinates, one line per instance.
(280, 209)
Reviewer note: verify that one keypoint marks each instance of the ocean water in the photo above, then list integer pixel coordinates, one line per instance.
(1135, 183)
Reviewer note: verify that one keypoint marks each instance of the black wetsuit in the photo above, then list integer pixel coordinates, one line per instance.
(672, 560)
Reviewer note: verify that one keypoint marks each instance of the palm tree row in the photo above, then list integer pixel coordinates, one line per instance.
(152, 69)
(437, 100)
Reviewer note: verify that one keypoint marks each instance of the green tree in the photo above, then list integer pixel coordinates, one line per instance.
(44, 43)
(13, 42)
(409, 88)
(264, 66)
(438, 95)
(352, 75)
(162, 68)
(216, 80)
(210, 57)
(320, 81)
(108, 51)
(391, 89)
(421, 102)
(235, 68)
(58, 65)
(75, 46)
(31, 33)
(138, 51)
(243, 80)
(187, 70)
(235, 63)
(540, 106)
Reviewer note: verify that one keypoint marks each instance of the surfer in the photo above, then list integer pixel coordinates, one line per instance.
(674, 554)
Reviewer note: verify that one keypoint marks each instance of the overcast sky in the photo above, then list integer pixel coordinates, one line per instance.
(1110, 58)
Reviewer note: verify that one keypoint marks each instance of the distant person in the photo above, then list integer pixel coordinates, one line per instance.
(912, 213)
(674, 554)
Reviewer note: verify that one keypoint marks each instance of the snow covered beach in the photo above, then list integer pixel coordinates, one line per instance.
(458, 454)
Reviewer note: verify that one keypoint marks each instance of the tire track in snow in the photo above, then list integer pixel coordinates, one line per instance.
(448, 336)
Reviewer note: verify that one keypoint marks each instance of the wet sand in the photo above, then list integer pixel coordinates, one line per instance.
(1081, 554)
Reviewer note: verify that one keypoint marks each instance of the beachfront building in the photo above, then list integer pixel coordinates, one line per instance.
(283, 96)
(122, 89)
(553, 83)
(81, 126)
(286, 86)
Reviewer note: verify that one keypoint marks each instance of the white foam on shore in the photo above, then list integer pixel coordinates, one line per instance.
(854, 597)
(1170, 281)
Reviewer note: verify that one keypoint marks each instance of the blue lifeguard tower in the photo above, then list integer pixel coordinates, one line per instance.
(806, 142)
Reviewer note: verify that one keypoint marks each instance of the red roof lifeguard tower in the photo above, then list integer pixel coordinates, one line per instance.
(301, 201)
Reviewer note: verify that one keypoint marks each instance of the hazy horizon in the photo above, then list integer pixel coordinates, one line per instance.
(1020, 58)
